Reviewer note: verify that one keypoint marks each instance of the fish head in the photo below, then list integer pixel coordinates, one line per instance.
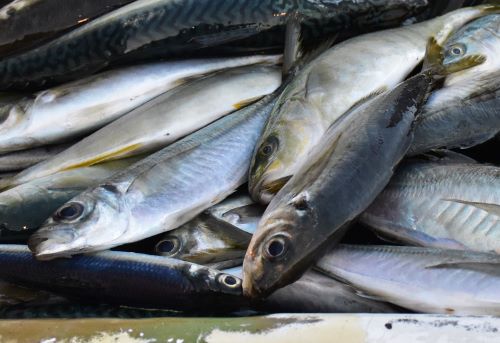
(88, 222)
(275, 256)
(475, 44)
(284, 144)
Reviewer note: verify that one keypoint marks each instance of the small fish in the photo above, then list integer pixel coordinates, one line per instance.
(124, 278)
(335, 82)
(420, 279)
(342, 176)
(163, 120)
(160, 192)
(443, 205)
(204, 240)
(466, 111)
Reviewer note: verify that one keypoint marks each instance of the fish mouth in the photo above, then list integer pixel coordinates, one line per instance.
(49, 245)
(264, 191)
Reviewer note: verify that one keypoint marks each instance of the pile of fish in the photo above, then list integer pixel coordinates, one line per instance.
(242, 156)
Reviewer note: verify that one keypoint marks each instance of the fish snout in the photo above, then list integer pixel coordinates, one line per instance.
(45, 244)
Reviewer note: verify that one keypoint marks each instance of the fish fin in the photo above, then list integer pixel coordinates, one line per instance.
(188, 79)
(116, 154)
(225, 229)
(465, 63)
(433, 56)
(214, 39)
(490, 208)
(246, 102)
(292, 45)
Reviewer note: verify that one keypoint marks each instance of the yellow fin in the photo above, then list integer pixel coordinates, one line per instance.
(466, 63)
(433, 56)
(246, 102)
(105, 157)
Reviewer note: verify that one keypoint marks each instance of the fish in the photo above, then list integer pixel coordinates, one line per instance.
(113, 277)
(19, 160)
(427, 280)
(333, 83)
(163, 120)
(179, 26)
(83, 106)
(24, 24)
(441, 205)
(204, 240)
(341, 178)
(24, 208)
(160, 192)
(466, 111)
(12, 295)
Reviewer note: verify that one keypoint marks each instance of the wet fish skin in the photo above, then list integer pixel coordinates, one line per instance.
(333, 83)
(160, 192)
(138, 24)
(18, 160)
(163, 120)
(465, 112)
(24, 24)
(443, 205)
(81, 107)
(343, 175)
(24, 208)
(114, 277)
(204, 240)
(421, 279)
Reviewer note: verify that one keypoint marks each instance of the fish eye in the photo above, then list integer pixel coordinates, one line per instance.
(168, 246)
(69, 211)
(276, 246)
(229, 281)
(269, 146)
(457, 50)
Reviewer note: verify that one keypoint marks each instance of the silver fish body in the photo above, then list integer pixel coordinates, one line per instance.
(342, 176)
(160, 192)
(421, 279)
(81, 107)
(447, 205)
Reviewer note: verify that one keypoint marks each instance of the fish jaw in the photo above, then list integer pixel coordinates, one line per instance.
(99, 219)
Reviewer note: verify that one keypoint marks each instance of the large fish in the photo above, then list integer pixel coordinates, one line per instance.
(83, 106)
(421, 279)
(25, 24)
(466, 111)
(163, 120)
(180, 24)
(124, 278)
(333, 83)
(447, 205)
(159, 193)
(26, 207)
(342, 176)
